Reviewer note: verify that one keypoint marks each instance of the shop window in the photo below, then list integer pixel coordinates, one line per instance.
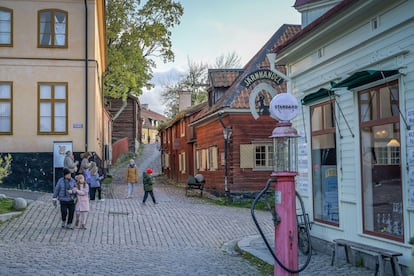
(52, 28)
(379, 125)
(6, 108)
(6, 27)
(52, 108)
(324, 163)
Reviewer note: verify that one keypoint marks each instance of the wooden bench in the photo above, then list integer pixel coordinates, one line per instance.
(381, 255)
(195, 182)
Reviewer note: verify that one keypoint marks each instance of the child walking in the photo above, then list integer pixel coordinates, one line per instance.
(82, 203)
(148, 183)
(94, 180)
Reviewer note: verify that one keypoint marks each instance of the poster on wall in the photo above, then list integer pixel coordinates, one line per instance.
(59, 152)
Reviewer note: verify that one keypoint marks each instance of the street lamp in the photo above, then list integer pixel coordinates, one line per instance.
(285, 107)
(227, 132)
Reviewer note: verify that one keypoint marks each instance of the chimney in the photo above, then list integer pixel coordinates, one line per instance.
(184, 100)
(144, 106)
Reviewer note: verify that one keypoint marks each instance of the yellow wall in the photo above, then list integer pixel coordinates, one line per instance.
(25, 65)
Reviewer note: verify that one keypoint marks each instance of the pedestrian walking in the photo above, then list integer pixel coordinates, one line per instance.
(82, 203)
(94, 181)
(148, 185)
(64, 192)
(131, 177)
(70, 163)
(85, 164)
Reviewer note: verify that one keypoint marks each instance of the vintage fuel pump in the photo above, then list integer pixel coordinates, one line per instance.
(284, 107)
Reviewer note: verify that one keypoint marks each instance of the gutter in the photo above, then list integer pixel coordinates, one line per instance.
(86, 76)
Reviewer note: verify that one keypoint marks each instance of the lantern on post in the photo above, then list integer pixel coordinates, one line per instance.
(284, 107)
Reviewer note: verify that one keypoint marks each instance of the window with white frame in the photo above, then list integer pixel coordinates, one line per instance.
(52, 108)
(6, 27)
(6, 108)
(52, 28)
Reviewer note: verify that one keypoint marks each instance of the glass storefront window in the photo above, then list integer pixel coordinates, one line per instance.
(381, 162)
(324, 164)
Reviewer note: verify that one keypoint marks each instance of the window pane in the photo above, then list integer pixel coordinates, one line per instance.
(381, 177)
(60, 109)
(45, 124)
(316, 115)
(5, 117)
(45, 91)
(328, 121)
(324, 165)
(45, 109)
(5, 27)
(60, 91)
(60, 28)
(368, 106)
(45, 28)
(60, 124)
(5, 91)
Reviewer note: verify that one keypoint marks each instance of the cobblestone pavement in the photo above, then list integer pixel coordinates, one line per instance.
(179, 236)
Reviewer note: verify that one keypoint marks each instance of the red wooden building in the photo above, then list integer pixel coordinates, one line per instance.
(230, 145)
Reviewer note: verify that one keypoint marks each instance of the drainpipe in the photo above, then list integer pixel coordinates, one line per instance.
(86, 75)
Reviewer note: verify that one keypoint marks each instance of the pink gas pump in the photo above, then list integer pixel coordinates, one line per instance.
(285, 107)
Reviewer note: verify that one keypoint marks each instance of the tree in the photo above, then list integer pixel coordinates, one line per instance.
(5, 166)
(136, 34)
(196, 81)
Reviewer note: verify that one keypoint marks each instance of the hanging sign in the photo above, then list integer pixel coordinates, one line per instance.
(284, 107)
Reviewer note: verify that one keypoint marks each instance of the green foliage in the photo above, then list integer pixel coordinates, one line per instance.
(5, 166)
(136, 34)
(6, 205)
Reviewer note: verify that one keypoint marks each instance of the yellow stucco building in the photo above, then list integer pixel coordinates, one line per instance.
(52, 57)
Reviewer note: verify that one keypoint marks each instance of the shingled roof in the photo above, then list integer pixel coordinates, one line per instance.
(223, 77)
(237, 96)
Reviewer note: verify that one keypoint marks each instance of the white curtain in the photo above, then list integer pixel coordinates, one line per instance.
(60, 29)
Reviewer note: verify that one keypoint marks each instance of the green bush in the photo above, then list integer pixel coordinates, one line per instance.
(6, 205)
(5, 166)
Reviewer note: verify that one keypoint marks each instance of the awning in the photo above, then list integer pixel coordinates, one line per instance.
(364, 77)
(318, 95)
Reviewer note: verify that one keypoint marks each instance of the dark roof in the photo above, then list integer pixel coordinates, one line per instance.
(146, 113)
(299, 3)
(223, 77)
(237, 96)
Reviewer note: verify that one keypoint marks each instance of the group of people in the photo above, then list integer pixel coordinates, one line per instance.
(76, 188)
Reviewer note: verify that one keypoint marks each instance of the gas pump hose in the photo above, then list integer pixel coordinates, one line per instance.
(262, 192)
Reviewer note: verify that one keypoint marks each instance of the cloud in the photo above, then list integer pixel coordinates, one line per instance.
(153, 96)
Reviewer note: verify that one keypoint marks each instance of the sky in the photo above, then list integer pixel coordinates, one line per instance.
(212, 28)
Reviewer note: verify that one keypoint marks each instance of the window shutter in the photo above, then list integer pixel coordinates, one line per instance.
(246, 156)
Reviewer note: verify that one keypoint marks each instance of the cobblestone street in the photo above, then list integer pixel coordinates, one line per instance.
(179, 236)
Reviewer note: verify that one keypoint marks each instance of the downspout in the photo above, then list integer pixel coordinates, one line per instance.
(86, 75)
